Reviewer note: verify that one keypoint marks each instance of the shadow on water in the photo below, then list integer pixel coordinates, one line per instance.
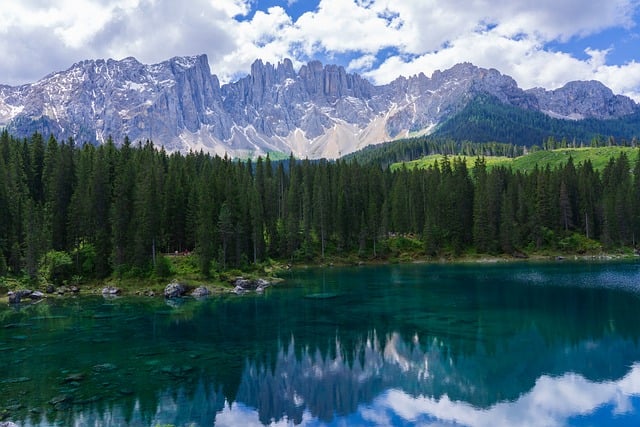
(405, 344)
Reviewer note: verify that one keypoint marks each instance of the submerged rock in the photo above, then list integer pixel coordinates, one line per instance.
(104, 367)
(262, 284)
(126, 392)
(16, 296)
(174, 302)
(239, 290)
(88, 400)
(63, 398)
(36, 295)
(73, 378)
(111, 290)
(200, 292)
(15, 380)
(242, 285)
(177, 372)
(174, 290)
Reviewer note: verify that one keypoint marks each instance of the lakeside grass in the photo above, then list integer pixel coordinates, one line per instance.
(182, 268)
(598, 156)
(397, 250)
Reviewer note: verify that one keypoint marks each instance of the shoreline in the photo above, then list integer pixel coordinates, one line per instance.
(476, 259)
(142, 288)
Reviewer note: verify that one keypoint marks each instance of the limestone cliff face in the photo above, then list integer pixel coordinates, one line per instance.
(579, 100)
(318, 111)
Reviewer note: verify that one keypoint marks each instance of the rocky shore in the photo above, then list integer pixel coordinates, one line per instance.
(175, 289)
(241, 285)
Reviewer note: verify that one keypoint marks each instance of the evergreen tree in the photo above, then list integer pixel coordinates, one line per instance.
(100, 205)
(146, 206)
(481, 233)
(226, 230)
(635, 201)
(321, 205)
(206, 220)
(122, 208)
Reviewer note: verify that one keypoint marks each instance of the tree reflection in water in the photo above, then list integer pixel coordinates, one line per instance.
(413, 383)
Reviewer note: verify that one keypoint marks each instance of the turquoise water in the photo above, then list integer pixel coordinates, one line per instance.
(481, 345)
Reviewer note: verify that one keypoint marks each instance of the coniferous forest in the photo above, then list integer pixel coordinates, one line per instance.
(115, 210)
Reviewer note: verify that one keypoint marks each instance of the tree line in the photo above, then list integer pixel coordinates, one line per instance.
(107, 210)
(406, 150)
(486, 118)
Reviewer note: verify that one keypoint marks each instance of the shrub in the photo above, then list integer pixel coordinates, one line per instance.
(56, 266)
(579, 244)
(86, 260)
(163, 267)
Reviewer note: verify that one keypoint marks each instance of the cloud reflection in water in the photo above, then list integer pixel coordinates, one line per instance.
(399, 384)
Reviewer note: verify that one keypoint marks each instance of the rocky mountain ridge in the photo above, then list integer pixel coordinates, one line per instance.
(318, 111)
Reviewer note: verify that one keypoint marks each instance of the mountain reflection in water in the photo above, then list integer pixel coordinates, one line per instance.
(385, 382)
(399, 383)
(519, 344)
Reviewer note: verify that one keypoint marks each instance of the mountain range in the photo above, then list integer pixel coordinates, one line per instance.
(316, 111)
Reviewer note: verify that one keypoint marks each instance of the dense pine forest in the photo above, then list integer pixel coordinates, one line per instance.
(91, 212)
(487, 119)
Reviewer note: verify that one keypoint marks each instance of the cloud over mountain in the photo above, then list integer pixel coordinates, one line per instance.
(545, 43)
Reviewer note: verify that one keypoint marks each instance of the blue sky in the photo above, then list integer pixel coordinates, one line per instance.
(544, 43)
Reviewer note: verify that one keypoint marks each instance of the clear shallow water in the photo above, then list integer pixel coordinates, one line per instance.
(490, 345)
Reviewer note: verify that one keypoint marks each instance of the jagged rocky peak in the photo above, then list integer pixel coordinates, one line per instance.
(317, 111)
(333, 81)
(186, 62)
(270, 74)
(477, 80)
(285, 70)
(583, 99)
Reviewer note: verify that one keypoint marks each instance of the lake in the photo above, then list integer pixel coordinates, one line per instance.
(530, 344)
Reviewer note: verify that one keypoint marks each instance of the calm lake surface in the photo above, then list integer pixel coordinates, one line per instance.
(526, 344)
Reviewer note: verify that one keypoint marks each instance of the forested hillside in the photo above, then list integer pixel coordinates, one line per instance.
(487, 119)
(104, 211)
(405, 150)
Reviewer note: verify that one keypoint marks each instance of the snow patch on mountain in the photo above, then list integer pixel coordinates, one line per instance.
(317, 111)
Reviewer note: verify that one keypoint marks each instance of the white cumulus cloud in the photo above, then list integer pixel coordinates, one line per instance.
(380, 38)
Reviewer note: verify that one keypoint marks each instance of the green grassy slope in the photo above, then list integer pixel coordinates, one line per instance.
(554, 158)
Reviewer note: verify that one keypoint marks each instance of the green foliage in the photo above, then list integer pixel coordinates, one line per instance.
(85, 260)
(135, 273)
(579, 244)
(56, 267)
(598, 156)
(487, 127)
(404, 244)
(487, 119)
(434, 159)
(163, 267)
(184, 264)
(135, 212)
(405, 150)
(3, 265)
(277, 155)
